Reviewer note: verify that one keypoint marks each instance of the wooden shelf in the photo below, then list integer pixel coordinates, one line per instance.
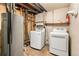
(40, 22)
(56, 24)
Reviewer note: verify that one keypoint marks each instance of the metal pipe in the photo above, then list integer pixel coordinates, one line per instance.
(36, 7)
(42, 7)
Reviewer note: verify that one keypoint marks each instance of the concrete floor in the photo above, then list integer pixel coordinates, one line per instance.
(28, 51)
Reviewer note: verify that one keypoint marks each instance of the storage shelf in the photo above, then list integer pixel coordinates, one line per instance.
(56, 24)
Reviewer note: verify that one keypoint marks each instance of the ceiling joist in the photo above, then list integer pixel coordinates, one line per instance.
(32, 7)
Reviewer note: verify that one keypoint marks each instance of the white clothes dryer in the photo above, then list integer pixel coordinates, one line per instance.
(58, 42)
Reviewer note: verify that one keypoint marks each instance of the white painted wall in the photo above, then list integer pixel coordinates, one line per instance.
(74, 32)
(48, 30)
(39, 17)
(55, 16)
(49, 17)
(60, 15)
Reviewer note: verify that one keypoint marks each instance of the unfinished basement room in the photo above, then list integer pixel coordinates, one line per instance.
(39, 29)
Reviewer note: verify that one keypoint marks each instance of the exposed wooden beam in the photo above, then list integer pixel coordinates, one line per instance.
(27, 7)
(32, 7)
(36, 7)
(41, 7)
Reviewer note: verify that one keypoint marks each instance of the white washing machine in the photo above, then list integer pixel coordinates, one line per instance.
(58, 42)
(37, 38)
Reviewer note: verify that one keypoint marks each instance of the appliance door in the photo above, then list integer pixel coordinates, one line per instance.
(17, 35)
(59, 42)
(35, 40)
